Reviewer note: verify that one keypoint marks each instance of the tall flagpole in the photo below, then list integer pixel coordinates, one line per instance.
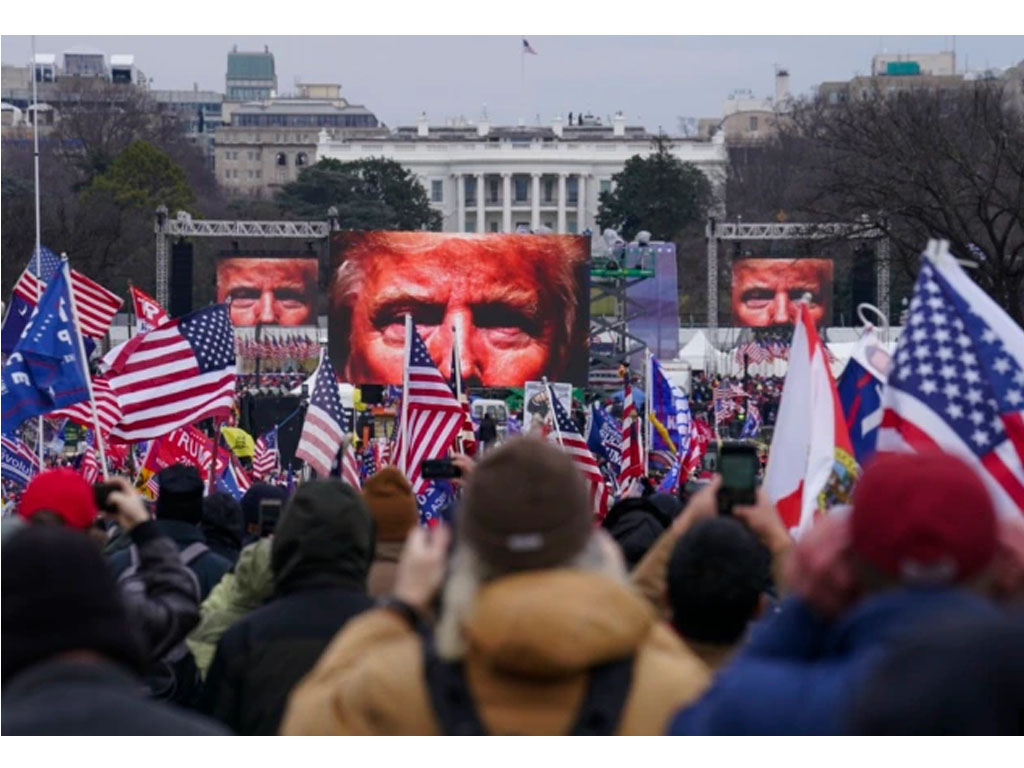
(648, 407)
(457, 370)
(404, 426)
(66, 270)
(39, 250)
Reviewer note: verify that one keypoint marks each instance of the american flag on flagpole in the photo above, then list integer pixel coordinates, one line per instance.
(266, 458)
(89, 468)
(107, 409)
(572, 442)
(957, 382)
(350, 467)
(175, 375)
(434, 415)
(631, 464)
(322, 431)
(95, 304)
(527, 48)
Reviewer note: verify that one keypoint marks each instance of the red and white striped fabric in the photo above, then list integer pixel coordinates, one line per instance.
(322, 431)
(350, 468)
(107, 409)
(572, 442)
(95, 304)
(631, 465)
(89, 468)
(266, 459)
(175, 375)
(434, 415)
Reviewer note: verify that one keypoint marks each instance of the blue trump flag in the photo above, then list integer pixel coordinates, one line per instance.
(25, 295)
(604, 436)
(45, 371)
(669, 412)
(860, 394)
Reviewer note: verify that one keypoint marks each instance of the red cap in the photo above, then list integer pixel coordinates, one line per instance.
(923, 518)
(63, 492)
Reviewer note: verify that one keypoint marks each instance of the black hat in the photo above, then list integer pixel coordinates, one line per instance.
(181, 494)
(59, 596)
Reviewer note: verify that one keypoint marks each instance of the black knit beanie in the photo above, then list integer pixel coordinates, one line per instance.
(181, 494)
(59, 596)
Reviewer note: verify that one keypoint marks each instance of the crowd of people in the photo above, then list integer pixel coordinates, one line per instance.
(737, 394)
(329, 610)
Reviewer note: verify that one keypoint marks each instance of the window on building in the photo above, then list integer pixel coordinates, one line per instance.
(471, 222)
(570, 225)
(572, 190)
(606, 186)
(493, 226)
(259, 174)
(437, 191)
(520, 189)
(492, 195)
(470, 185)
(753, 122)
(251, 176)
(227, 174)
(549, 190)
(301, 159)
(281, 159)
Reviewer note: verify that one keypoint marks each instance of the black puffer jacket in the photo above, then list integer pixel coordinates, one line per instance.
(322, 550)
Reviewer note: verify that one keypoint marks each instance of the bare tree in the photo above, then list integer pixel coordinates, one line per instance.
(943, 163)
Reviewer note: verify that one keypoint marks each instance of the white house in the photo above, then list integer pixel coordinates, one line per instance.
(485, 178)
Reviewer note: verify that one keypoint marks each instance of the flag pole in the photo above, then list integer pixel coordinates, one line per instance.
(404, 426)
(66, 270)
(648, 408)
(131, 309)
(457, 372)
(39, 250)
(551, 405)
(213, 455)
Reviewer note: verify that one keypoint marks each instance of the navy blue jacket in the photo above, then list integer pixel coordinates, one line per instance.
(799, 673)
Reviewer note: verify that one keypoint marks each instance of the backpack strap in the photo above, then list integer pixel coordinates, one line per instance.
(607, 690)
(449, 693)
(193, 552)
(600, 713)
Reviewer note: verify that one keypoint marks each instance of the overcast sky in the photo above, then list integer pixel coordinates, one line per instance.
(653, 80)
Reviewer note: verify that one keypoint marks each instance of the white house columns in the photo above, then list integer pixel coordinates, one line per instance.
(511, 209)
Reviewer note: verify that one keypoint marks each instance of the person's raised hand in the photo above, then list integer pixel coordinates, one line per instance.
(763, 519)
(821, 570)
(466, 465)
(421, 567)
(128, 508)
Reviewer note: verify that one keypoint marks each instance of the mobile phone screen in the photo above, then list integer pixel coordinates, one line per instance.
(739, 470)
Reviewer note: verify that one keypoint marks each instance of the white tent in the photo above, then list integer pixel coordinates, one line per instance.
(699, 353)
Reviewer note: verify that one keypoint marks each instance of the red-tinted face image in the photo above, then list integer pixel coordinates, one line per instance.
(765, 291)
(268, 291)
(513, 300)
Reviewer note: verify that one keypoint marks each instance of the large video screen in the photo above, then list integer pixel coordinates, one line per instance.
(765, 291)
(520, 302)
(269, 290)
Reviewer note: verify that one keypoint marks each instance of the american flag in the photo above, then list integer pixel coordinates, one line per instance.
(322, 430)
(527, 48)
(95, 304)
(434, 415)
(572, 442)
(368, 465)
(631, 463)
(265, 456)
(89, 468)
(108, 411)
(350, 467)
(754, 351)
(957, 383)
(175, 375)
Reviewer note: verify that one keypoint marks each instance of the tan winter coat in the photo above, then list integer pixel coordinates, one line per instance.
(531, 639)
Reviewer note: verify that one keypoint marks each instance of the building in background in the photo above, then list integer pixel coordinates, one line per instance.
(746, 118)
(894, 73)
(264, 144)
(250, 76)
(485, 178)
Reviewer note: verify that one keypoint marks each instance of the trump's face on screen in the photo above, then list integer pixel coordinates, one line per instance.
(511, 300)
(268, 291)
(765, 292)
